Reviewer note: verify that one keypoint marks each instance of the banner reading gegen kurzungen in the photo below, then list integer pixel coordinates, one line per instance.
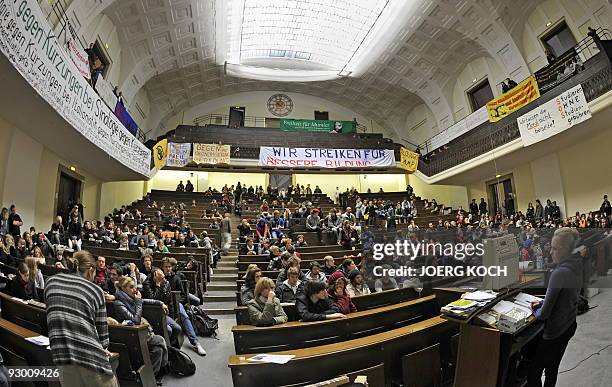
(211, 154)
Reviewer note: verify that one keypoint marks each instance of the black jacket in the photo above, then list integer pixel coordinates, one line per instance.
(285, 293)
(314, 312)
(28, 292)
(161, 293)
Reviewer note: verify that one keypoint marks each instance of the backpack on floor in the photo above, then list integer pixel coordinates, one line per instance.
(204, 325)
(179, 363)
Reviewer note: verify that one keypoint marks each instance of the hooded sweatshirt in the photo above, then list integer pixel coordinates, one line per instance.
(559, 309)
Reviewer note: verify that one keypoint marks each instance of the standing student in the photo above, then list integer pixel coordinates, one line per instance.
(14, 223)
(78, 332)
(559, 308)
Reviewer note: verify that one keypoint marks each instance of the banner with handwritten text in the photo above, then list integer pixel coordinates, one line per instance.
(554, 116)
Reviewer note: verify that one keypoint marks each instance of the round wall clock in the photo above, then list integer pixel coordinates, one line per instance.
(280, 105)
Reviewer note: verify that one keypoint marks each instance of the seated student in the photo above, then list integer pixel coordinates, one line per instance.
(247, 290)
(22, 286)
(21, 251)
(244, 231)
(249, 248)
(315, 273)
(347, 266)
(57, 231)
(124, 242)
(294, 262)
(315, 305)
(348, 236)
(313, 223)
(161, 246)
(262, 230)
(64, 260)
(333, 224)
(157, 288)
(385, 282)
(278, 260)
(180, 187)
(265, 308)
(128, 307)
(277, 223)
(356, 287)
(288, 290)
(338, 295)
(300, 242)
(329, 266)
(74, 232)
(176, 280)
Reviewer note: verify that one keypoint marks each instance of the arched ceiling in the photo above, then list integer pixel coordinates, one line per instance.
(168, 47)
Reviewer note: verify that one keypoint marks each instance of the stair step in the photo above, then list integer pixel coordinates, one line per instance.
(229, 298)
(229, 278)
(222, 264)
(217, 312)
(221, 286)
(226, 270)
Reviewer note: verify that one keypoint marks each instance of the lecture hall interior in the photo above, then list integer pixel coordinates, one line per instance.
(252, 193)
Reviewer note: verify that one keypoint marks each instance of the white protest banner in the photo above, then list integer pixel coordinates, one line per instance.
(459, 128)
(554, 116)
(105, 90)
(211, 154)
(178, 154)
(325, 158)
(79, 58)
(31, 47)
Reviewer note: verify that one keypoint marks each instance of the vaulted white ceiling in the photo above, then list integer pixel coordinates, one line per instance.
(169, 48)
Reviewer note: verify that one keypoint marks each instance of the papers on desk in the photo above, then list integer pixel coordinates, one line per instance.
(43, 341)
(508, 316)
(277, 359)
(480, 295)
(468, 303)
(19, 299)
(525, 299)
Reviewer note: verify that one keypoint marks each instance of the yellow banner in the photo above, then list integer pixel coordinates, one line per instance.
(521, 95)
(409, 160)
(160, 153)
(211, 154)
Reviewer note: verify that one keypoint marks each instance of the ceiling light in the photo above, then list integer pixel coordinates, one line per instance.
(474, 80)
(72, 168)
(497, 176)
(549, 24)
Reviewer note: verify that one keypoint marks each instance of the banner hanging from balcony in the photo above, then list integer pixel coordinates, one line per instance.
(30, 45)
(79, 58)
(105, 91)
(178, 154)
(325, 158)
(554, 116)
(409, 160)
(160, 153)
(524, 93)
(563, 68)
(211, 154)
(325, 126)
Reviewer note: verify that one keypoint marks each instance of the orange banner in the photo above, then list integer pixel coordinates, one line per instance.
(523, 94)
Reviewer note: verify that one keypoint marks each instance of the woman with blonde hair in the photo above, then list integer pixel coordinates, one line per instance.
(35, 274)
(265, 308)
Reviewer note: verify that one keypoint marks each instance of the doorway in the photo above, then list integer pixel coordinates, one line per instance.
(502, 196)
(68, 192)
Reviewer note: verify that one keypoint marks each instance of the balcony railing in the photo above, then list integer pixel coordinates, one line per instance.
(249, 122)
(596, 80)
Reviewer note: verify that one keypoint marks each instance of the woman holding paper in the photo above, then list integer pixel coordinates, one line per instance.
(559, 308)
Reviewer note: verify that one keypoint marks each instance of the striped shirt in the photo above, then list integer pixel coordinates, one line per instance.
(76, 318)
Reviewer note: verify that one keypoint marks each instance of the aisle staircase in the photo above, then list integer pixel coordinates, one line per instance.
(220, 298)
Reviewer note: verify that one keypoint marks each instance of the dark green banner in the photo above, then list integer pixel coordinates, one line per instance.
(325, 126)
